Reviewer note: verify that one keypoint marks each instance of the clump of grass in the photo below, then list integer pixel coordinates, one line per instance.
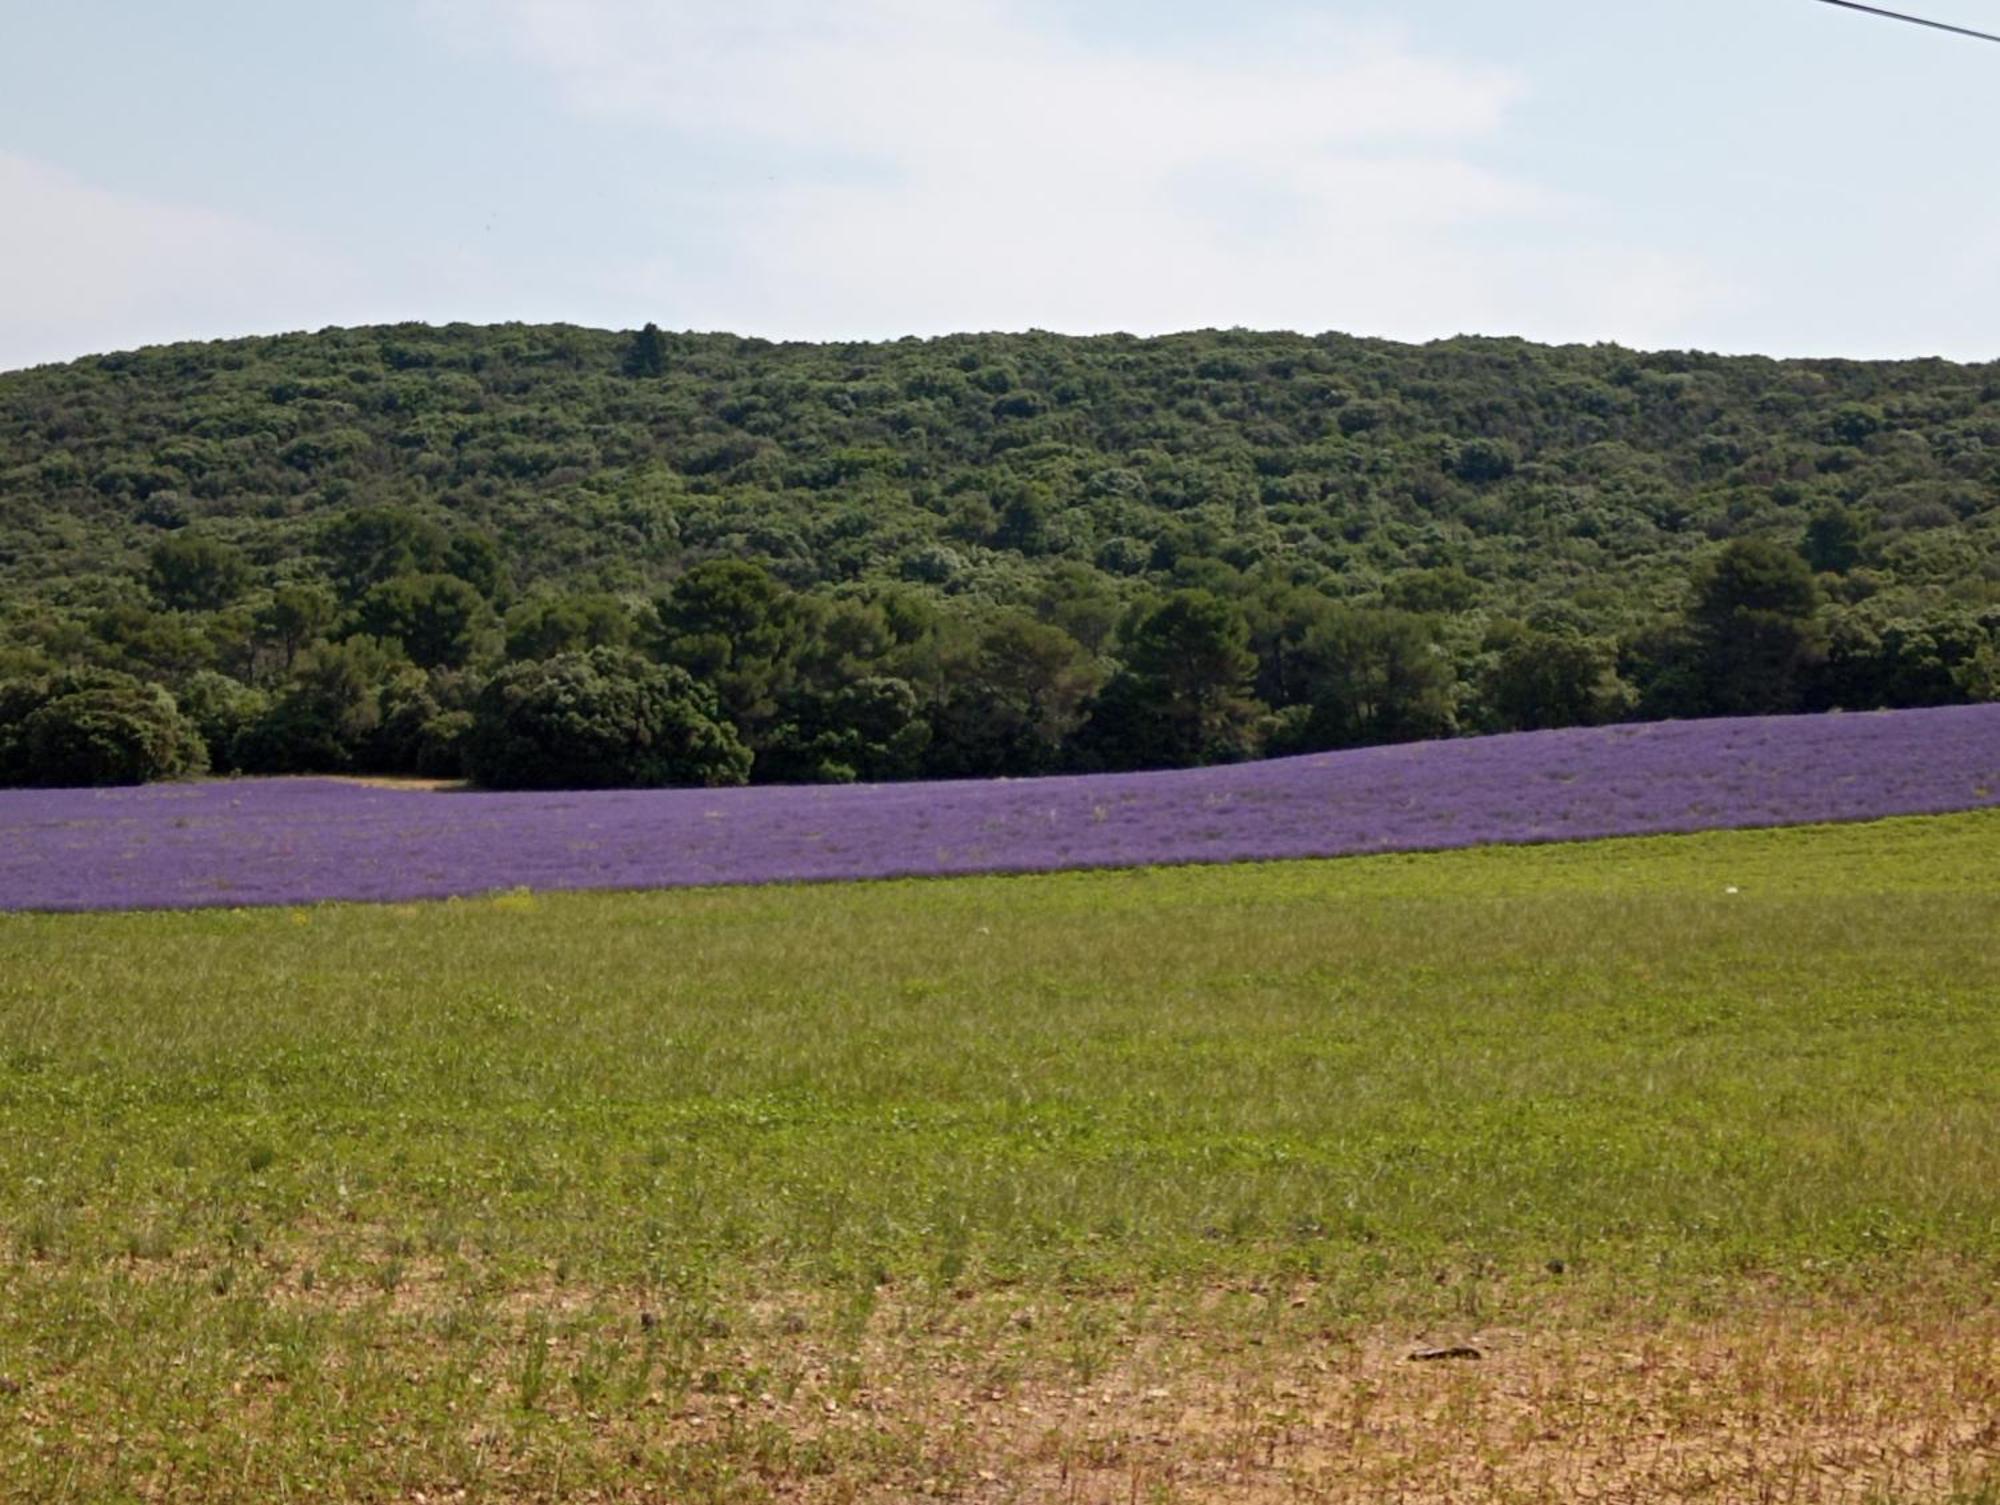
(150, 1240)
(532, 1376)
(40, 1233)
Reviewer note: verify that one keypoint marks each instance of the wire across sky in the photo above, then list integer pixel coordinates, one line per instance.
(1896, 15)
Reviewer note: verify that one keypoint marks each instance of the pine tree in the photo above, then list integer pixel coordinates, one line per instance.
(647, 354)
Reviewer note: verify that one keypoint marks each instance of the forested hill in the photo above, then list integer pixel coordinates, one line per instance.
(1361, 528)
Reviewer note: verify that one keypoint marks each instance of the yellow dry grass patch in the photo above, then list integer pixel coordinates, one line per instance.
(1802, 1407)
(986, 1399)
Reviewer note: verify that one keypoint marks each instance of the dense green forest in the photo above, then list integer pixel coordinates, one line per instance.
(554, 555)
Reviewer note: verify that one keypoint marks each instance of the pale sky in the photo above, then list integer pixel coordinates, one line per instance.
(1738, 175)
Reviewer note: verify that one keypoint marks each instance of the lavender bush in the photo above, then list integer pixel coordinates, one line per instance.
(297, 841)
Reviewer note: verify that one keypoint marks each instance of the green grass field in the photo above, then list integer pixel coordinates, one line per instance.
(982, 1188)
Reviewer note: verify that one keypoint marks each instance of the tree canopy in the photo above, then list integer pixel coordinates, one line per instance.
(989, 555)
(605, 718)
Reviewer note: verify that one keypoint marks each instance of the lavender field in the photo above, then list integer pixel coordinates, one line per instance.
(303, 840)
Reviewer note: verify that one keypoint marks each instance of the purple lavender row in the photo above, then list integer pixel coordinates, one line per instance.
(303, 840)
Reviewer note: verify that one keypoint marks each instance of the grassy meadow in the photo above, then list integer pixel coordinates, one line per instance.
(1105, 1186)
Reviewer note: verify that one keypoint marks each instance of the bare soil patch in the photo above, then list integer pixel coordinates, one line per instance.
(1253, 1398)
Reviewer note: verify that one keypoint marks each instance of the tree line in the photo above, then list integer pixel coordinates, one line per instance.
(515, 550)
(407, 659)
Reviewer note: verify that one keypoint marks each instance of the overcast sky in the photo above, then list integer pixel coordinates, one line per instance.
(1738, 175)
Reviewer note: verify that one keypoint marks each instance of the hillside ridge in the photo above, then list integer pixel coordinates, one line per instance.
(1407, 540)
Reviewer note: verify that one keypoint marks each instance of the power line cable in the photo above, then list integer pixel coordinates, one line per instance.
(1896, 15)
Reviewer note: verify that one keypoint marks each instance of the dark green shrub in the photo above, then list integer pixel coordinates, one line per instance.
(329, 717)
(92, 728)
(222, 709)
(437, 618)
(604, 719)
(191, 573)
